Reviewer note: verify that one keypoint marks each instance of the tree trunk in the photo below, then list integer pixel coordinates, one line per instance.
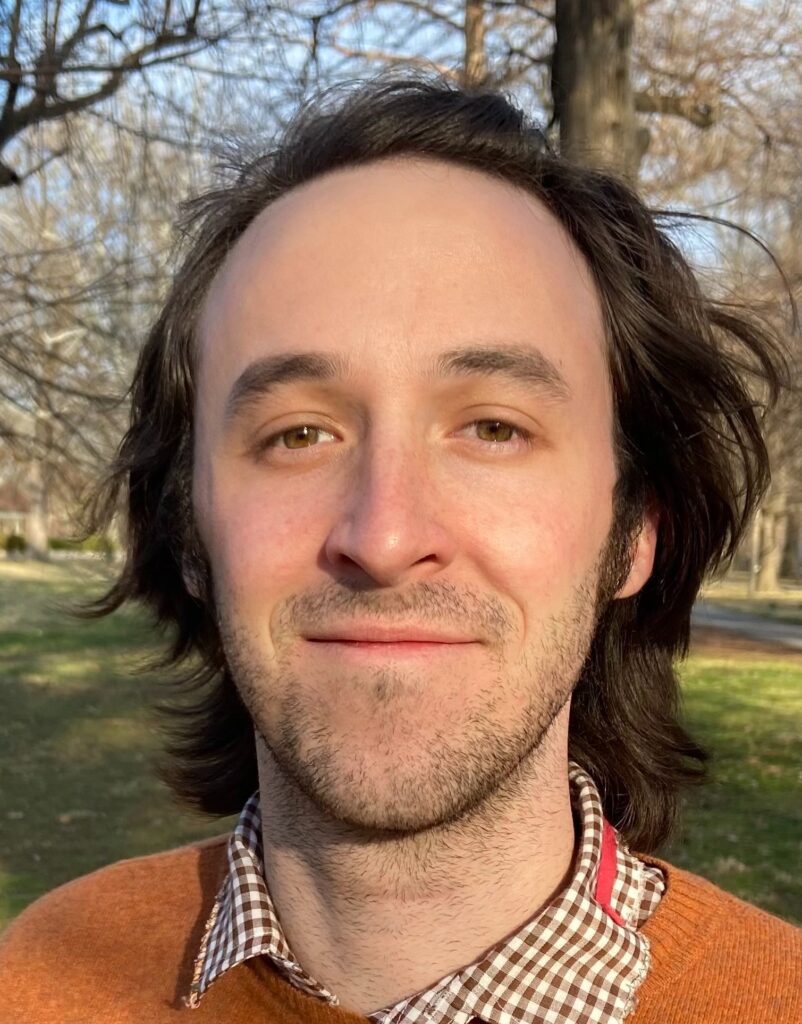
(798, 545)
(754, 552)
(591, 85)
(774, 534)
(36, 532)
(475, 66)
(115, 536)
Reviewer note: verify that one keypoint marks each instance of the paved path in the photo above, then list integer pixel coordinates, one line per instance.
(786, 634)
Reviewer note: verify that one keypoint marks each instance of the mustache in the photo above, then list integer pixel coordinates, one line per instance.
(438, 604)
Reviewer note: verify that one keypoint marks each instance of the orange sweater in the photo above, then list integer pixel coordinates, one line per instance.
(117, 947)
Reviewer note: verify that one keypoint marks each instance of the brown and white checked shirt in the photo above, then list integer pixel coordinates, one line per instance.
(580, 960)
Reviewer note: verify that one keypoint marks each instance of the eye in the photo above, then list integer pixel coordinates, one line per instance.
(304, 435)
(494, 434)
(499, 432)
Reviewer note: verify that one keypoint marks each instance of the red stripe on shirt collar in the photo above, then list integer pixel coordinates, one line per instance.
(608, 868)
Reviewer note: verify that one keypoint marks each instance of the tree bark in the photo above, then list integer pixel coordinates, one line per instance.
(591, 85)
(755, 534)
(774, 522)
(475, 66)
(798, 545)
(36, 531)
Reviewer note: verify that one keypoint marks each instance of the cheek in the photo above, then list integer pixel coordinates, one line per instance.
(257, 540)
(538, 540)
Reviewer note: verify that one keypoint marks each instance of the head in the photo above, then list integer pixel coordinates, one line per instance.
(417, 372)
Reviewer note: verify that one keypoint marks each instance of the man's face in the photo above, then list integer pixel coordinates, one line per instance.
(445, 471)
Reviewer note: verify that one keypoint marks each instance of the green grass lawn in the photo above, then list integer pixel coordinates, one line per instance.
(77, 791)
(75, 741)
(783, 605)
(744, 831)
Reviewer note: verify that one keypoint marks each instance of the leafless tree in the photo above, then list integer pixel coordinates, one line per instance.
(58, 59)
(75, 305)
(680, 96)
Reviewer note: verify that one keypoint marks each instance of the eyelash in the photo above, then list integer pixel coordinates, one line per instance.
(272, 441)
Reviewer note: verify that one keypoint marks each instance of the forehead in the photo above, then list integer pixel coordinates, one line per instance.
(394, 262)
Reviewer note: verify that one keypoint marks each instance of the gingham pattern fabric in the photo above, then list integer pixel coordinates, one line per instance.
(580, 960)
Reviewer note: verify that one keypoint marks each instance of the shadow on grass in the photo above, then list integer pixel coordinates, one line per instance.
(744, 830)
(79, 789)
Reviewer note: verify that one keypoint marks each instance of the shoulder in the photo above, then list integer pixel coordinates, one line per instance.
(717, 957)
(125, 925)
(117, 890)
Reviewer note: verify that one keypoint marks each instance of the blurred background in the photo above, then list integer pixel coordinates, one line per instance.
(112, 111)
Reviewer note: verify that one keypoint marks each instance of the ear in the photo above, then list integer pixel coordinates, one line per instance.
(642, 556)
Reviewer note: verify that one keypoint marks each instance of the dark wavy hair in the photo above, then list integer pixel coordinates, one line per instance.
(692, 379)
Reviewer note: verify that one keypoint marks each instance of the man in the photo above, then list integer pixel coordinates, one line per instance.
(431, 447)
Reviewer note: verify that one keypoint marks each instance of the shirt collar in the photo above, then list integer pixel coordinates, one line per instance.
(583, 948)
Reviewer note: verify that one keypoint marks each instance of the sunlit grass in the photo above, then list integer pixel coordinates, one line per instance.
(75, 741)
(744, 831)
(783, 605)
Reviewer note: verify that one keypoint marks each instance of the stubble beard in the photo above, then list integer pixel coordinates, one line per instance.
(475, 767)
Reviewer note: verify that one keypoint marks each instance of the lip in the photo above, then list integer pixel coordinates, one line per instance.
(360, 651)
(376, 635)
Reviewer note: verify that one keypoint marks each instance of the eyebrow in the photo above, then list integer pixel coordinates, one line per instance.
(518, 363)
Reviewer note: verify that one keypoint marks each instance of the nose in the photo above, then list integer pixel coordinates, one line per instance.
(389, 526)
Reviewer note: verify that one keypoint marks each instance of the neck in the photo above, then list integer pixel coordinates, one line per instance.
(375, 919)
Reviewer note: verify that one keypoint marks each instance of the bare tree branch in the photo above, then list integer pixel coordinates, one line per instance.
(702, 115)
(50, 83)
